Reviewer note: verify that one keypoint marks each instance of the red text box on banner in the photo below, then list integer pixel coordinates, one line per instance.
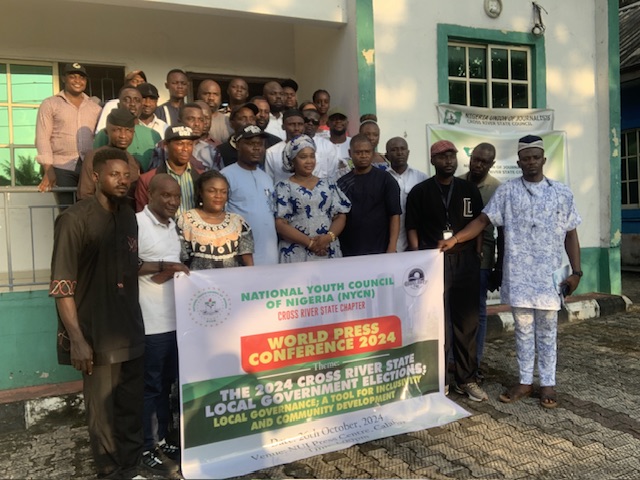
(268, 351)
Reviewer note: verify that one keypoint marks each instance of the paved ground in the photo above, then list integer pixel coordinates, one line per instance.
(594, 433)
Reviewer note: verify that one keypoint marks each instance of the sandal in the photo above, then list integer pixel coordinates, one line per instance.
(516, 393)
(548, 397)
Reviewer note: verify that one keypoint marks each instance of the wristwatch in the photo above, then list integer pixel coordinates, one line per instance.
(577, 273)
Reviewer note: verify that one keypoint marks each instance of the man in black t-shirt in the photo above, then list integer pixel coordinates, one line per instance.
(374, 220)
(436, 209)
(94, 280)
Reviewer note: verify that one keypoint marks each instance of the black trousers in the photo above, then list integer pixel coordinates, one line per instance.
(67, 178)
(461, 309)
(113, 397)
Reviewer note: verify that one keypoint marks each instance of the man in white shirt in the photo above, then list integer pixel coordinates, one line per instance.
(148, 117)
(159, 259)
(407, 178)
(272, 91)
(210, 93)
(293, 125)
(338, 123)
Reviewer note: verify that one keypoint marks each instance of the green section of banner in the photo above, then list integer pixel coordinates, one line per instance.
(231, 407)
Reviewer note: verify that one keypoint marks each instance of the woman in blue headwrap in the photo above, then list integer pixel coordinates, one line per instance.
(310, 211)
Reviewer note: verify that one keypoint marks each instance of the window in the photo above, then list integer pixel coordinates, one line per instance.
(493, 76)
(629, 171)
(23, 85)
(496, 68)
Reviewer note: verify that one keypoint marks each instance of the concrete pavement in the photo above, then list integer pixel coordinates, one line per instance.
(593, 434)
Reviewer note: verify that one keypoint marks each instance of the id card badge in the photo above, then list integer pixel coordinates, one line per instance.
(447, 234)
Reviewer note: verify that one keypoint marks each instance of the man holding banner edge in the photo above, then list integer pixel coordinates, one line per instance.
(539, 219)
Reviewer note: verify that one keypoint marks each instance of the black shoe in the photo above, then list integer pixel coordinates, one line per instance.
(156, 462)
(170, 450)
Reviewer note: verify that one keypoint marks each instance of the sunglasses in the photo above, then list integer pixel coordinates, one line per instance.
(312, 121)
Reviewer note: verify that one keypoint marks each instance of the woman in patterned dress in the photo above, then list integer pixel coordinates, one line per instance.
(310, 211)
(211, 237)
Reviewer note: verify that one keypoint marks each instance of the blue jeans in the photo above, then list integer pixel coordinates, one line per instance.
(482, 314)
(160, 372)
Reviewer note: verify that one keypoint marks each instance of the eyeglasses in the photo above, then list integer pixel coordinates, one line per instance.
(312, 121)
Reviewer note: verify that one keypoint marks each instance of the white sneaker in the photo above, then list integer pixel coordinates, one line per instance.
(473, 391)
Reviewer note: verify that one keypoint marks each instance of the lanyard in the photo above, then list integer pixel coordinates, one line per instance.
(446, 201)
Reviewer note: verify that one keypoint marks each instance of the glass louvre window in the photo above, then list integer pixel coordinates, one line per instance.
(23, 86)
(629, 171)
(493, 76)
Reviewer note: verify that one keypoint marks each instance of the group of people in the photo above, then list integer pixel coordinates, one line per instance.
(262, 182)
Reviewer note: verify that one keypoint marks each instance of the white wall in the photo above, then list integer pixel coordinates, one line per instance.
(326, 58)
(152, 40)
(407, 90)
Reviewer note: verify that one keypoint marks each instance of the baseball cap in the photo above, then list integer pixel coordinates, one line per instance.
(249, 105)
(75, 68)
(179, 132)
(442, 146)
(289, 83)
(148, 90)
(292, 112)
(337, 111)
(249, 131)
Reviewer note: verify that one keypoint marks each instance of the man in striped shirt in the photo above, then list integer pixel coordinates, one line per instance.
(179, 143)
(64, 133)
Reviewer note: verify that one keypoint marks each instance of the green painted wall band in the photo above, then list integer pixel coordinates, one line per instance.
(365, 45)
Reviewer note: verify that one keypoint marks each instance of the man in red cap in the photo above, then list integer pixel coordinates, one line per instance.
(437, 209)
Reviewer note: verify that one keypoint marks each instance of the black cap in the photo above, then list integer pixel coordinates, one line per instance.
(75, 68)
(289, 82)
(121, 117)
(335, 111)
(179, 132)
(148, 90)
(251, 106)
(249, 131)
(292, 112)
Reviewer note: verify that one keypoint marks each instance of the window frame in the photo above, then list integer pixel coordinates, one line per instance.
(10, 105)
(458, 34)
(625, 181)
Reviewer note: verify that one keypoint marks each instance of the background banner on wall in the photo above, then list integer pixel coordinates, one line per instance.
(283, 362)
(496, 119)
(506, 143)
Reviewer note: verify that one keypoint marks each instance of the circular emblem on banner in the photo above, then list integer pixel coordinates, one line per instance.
(210, 307)
(414, 281)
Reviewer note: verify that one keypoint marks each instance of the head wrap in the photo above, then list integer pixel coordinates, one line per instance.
(530, 141)
(293, 148)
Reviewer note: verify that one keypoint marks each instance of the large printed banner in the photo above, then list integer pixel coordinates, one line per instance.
(506, 143)
(285, 362)
(495, 119)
